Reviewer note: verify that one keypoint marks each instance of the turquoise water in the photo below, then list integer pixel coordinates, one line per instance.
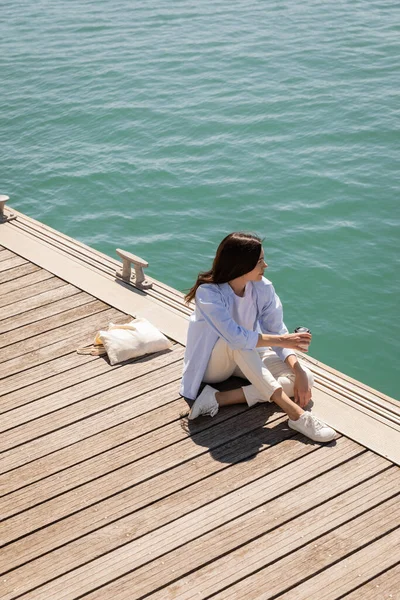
(159, 127)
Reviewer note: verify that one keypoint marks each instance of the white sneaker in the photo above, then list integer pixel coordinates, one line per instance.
(205, 404)
(313, 428)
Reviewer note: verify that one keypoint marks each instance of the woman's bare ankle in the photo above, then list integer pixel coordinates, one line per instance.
(230, 397)
(292, 410)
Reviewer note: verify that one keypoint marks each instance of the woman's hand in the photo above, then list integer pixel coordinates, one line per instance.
(294, 341)
(302, 391)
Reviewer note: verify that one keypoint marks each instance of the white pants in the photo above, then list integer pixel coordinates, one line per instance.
(262, 367)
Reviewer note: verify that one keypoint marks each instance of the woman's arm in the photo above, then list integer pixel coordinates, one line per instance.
(294, 341)
(302, 390)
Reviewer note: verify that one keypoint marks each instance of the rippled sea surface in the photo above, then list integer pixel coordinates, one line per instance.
(161, 126)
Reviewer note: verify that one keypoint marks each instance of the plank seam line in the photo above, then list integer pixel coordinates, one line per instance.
(103, 474)
(55, 329)
(178, 547)
(90, 377)
(344, 557)
(99, 432)
(106, 308)
(52, 412)
(347, 383)
(266, 532)
(90, 300)
(166, 470)
(375, 576)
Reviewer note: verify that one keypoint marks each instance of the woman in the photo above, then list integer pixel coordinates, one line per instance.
(237, 329)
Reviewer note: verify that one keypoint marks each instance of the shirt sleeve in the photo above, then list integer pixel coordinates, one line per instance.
(212, 308)
(271, 321)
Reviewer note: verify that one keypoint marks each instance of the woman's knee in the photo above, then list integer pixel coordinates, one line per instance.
(287, 381)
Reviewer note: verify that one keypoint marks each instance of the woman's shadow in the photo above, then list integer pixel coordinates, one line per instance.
(237, 433)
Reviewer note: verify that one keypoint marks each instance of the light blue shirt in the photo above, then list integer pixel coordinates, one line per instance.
(212, 319)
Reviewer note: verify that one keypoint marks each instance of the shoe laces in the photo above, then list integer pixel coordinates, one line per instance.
(213, 411)
(210, 407)
(315, 422)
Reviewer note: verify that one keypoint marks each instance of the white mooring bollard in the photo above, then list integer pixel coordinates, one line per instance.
(139, 264)
(4, 218)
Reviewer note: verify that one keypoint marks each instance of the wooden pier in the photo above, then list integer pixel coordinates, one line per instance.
(108, 492)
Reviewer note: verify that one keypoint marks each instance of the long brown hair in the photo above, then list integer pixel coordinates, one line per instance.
(237, 254)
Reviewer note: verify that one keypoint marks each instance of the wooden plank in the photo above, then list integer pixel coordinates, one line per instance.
(136, 524)
(6, 254)
(69, 415)
(142, 558)
(383, 410)
(45, 415)
(44, 319)
(100, 432)
(356, 568)
(357, 425)
(11, 263)
(169, 456)
(24, 292)
(52, 302)
(121, 444)
(48, 330)
(356, 393)
(57, 392)
(319, 554)
(15, 403)
(196, 490)
(195, 470)
(83, 371)
(16, 273)
(382, 587)
(74, 335)
(68, 246)
(144, 443)
(280, 527)
(26, 281)
(13, 384)
(334, 375)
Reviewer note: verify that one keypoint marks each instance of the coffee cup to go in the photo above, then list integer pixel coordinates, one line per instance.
(303, 330)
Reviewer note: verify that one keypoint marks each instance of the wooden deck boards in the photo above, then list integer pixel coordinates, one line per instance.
(109, 492)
